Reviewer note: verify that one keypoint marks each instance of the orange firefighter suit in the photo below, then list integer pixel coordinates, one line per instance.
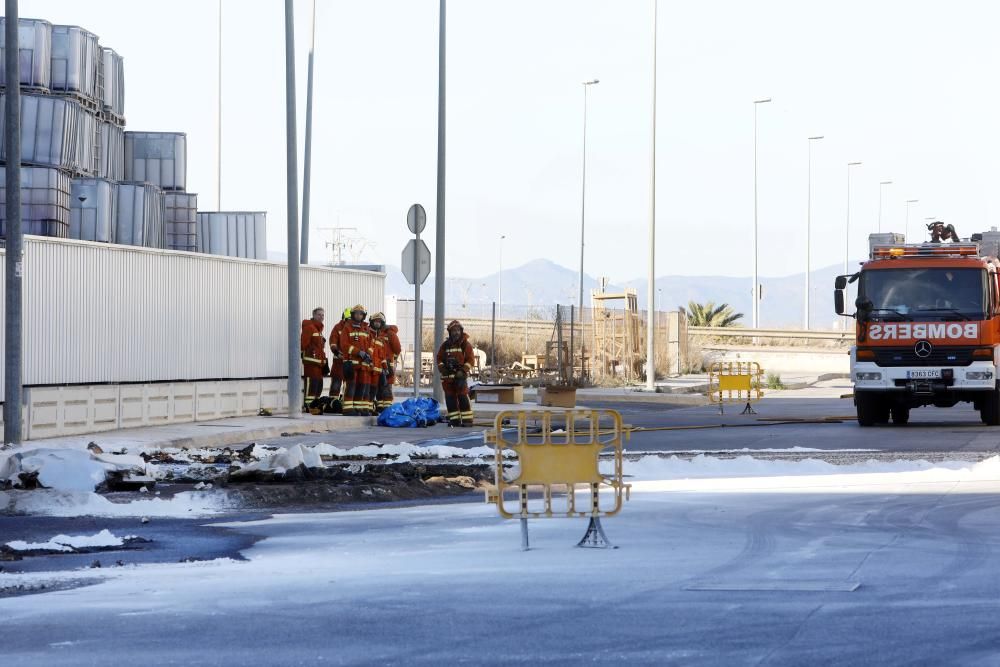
(313, 347)
(355, 348)
(455, 360)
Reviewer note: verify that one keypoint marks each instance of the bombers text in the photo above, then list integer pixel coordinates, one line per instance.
(921, 330)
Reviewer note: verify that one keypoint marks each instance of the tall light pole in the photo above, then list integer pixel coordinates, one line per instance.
(809, 225)
(847, 231)
(583, 206)
(439, 231)
(14, 269)
(218, 157)
(500, 281)
(907, 229)
(307, 157)
(651, 286)
(756, 285)
(881, 189)
(929, 219)
(292, 193)
(847, 226)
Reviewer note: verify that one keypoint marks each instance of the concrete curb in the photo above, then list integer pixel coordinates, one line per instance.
(236, 435)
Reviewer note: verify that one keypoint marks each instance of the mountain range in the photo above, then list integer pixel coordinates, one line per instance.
(542, 284)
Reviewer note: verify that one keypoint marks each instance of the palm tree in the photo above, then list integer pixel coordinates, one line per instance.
(710, 315)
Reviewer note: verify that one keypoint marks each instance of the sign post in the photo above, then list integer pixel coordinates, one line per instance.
(416, 265)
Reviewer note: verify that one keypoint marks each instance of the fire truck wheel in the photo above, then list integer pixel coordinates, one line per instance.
(900, 415)
(990, 411)
(870, 409)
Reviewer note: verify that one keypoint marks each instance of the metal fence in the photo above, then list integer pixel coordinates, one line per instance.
(97, 313)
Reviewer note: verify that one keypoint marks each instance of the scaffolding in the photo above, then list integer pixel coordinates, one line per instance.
(617, 335)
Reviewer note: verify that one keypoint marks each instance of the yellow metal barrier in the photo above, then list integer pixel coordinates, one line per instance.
(556, 453)
(735, 382)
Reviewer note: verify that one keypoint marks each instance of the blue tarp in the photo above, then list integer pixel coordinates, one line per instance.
(411, 413)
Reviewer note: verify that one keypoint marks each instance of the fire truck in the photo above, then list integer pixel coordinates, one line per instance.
(927, 327)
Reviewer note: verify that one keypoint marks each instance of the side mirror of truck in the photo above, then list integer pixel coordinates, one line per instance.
(840, 282)
(838, 300)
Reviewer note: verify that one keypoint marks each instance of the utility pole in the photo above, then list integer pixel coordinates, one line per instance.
(651, 287)
(756, 280)
(307, 158)
(14, 265)
(583, 216)
(809, 192)
(295, 396)
(439, 232)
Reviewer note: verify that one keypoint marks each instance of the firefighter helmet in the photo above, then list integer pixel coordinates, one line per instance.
(347, 313)
(455, 324)
(361, 309)
(377, 316)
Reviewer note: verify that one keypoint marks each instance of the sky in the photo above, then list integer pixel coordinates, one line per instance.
(904, 87)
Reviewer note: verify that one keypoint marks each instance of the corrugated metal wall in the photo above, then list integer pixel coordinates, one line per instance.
(97, 313)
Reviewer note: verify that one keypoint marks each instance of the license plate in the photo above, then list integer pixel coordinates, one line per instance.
(929, 374)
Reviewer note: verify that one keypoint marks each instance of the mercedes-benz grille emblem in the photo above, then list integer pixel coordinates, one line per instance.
(923, 349)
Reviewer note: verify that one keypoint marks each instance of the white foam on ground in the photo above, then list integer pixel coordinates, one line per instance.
(745, 473)
(286, 459)
(406, 451)
(65, 469)
(47, 502)
(68, 543)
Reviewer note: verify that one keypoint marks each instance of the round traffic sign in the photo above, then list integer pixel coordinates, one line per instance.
(416, 218)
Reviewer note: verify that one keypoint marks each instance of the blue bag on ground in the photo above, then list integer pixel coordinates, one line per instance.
(411, 413)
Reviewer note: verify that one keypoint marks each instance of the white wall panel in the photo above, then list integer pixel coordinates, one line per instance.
(96, 313)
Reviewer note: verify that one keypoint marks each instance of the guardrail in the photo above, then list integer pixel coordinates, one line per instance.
(845, 337)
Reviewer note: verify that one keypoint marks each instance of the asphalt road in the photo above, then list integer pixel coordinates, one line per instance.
(830, 425)
(877, 573)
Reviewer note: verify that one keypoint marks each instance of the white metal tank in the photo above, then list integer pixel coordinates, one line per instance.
(35, 45)
(159, 158)
(93, 210)
(45, 195)
(76, 59)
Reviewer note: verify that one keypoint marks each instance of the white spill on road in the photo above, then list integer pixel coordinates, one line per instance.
(720, 562)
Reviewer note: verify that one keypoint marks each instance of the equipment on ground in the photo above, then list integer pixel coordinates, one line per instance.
(942, 232)
(927, 326)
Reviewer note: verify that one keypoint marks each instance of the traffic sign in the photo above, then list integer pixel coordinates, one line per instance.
(416, 252)
(416, 218)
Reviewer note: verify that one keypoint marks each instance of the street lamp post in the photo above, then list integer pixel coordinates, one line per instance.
(500, 281)
(881, 188)
(931, 218)
(847, 229)
(651, 286)
(809, 225)
(583, 203)
(756, 286)
(907, 229)
(847, 226)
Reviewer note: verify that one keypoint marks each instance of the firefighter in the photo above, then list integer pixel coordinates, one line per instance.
(385, 352)
(314, 364)
(454, 360)
(355, 346)
(337, 364)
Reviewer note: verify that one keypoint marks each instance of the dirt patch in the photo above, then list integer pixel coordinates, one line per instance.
(355, 483)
